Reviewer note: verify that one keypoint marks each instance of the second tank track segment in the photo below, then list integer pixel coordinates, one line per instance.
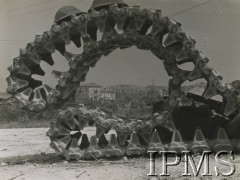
(131, 139)
(165, 39)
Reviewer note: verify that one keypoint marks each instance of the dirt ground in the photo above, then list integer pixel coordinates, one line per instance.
(25, 154)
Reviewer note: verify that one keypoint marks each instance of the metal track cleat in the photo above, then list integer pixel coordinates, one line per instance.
(222, 142)
(81, 21)
(74, 60)
(188, 53)
(62, 77)
(11, 88)
(52, 133)
(123, 132)
(58, 150)
(199, 143)
(37, 103)
(44, 47)
(162, 118)
(148, 42)
(93, 151)
(102, 125)
(19, 67)
(64, 142)
(200, 70)
(91, 51)
(180, 76)
(64, 114)
(108, 42)
(74, 33)
(100, 18)
(113, 150)
(155, 143)
(159, 23)
(67, 90)
(16, 84)
(134, 148)
(173, 36)
(47, 89)
(47, 43)
(53, 95)
(212, 85)
(68, 136)
(61, 37)
(232, 102)
(177, 143)
(140, 16)
(63, 131)
(144, 130)
(84, 117)
(30, 53)
(131, 29)
(20, 83)
(24, 97)
(73, 153)
(120, 15)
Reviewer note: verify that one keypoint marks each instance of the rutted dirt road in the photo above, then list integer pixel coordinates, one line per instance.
(25, 154)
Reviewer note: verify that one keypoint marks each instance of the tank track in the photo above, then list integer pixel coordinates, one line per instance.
(166, 40)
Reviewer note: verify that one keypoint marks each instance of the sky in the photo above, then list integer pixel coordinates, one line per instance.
(215, 26)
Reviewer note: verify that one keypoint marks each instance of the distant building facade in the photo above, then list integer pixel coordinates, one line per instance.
(94, 92)
(88, 91)
(108, 95)
(119, 93)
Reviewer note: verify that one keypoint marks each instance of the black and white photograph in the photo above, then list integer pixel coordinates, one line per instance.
(119, 89)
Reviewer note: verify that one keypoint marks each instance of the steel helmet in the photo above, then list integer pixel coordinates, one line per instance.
(65, 12)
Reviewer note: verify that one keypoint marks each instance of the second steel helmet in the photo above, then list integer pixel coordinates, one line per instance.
(236, 85)
(102, 3)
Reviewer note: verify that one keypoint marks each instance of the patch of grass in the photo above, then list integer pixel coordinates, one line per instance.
(11, 116)
(36, 159)
(25, 124)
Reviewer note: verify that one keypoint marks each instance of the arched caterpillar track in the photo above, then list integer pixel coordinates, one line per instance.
(81, 29)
